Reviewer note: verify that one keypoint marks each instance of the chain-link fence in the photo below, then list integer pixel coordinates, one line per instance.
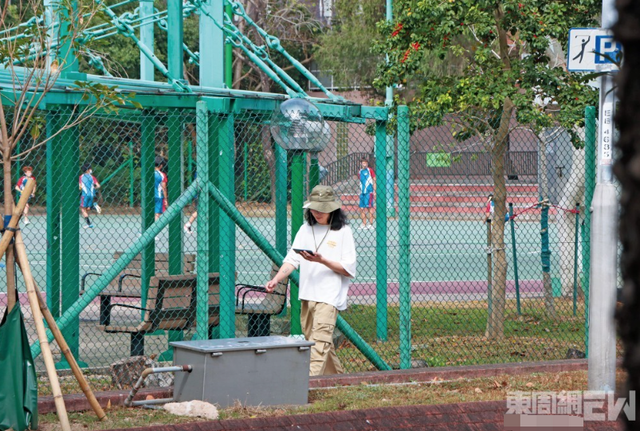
(163, 226)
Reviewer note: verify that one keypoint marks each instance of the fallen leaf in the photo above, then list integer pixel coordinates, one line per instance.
(529, 385)
(478, 390)
(150, 397)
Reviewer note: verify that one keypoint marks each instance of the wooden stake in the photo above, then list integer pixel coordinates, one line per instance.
(64, 347)
(42, 335)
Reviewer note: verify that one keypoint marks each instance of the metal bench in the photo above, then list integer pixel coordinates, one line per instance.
(259, 305)
(171, 305)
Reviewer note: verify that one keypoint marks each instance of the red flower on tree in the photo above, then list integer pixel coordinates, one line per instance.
(397, 29)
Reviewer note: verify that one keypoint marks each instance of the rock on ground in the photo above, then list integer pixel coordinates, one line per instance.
(193, 408)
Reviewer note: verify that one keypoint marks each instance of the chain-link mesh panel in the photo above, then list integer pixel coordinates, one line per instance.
(444, 276)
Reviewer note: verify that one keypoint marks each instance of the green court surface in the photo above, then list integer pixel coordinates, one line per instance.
(441, 250)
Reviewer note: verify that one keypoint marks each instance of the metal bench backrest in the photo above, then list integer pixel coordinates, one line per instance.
(172, 301)
(161, 261)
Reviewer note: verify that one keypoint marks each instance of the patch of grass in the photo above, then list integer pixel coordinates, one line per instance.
(362, 396)
(453, 333)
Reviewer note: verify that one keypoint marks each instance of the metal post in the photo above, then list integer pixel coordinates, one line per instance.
(245, 164)
(602, 333)
(174, 41)
(147, 70)
(68, 61)
(575, 260)
(131, 176)
(228, 53)
(147, 198)
(281, 199)
(515, 257)
(489, 269)
(214, 213)
(297, 215)
(203, 261)
(211, 44)
(226, 174)
(390, 204)
(589, 188)
(174, 188)
(404, 257)
(53, 215)
(314, 172)
(69, 230)
(381, 231)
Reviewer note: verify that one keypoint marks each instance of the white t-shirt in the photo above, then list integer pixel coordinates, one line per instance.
(317, 282)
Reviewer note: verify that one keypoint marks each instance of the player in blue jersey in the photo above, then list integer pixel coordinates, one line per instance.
(22, 182)
(88, 186)
(160, 188)
(367, 191)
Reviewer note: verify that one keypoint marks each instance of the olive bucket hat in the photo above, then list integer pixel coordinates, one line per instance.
(323, 199)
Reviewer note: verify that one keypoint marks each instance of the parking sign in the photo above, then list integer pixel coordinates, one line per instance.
(590, 48)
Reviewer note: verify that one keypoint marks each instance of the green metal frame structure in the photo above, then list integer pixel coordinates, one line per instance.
(214, 105)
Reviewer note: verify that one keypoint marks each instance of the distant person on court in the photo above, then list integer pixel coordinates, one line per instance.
(22, 182)
(160, 188)
(88, 186)
(325, 253)
(367, 193)
(490, 208)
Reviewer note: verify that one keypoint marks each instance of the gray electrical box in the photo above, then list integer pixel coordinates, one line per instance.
(254, 371)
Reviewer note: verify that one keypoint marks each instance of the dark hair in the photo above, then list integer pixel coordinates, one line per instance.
(86, 167)
(27, 168)
(159, 162)
(337, 218)
(364, 160)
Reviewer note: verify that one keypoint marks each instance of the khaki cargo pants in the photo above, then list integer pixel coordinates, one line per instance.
(318, 321)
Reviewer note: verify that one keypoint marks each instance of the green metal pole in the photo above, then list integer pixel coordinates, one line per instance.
(203, 263)
(575, 260)
(174, 187)
(119, 265)
(175, 39)
(189, 162)
(244, 160)
(68, 60)
(314, 172)
(590, 186)
(147, 71)
(211, 45)
(226, 154)
(131, 175)
(69, 230)
(228, 53)
(276, 257)
(53, 215)
(215, 125)
(404, 257)
(281, 199)
(297, 215)
(489, 270)
(515, 257)
(381, 231)
(147, 168)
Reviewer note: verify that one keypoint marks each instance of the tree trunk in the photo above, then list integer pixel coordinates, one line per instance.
(8, 209)
(495, 321)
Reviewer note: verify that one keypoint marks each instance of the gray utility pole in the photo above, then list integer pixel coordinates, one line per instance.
(604, 239)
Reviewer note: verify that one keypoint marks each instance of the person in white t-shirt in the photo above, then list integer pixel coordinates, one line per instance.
(325, 253)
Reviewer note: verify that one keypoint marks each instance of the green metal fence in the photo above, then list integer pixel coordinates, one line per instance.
(433, 274)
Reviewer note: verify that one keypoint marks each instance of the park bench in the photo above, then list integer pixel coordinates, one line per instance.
(129, 278)
(171, 305)
(259, 305)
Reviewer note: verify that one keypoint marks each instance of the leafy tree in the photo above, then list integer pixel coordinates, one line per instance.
(34, 63)
(345, 48)
(503, 49)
